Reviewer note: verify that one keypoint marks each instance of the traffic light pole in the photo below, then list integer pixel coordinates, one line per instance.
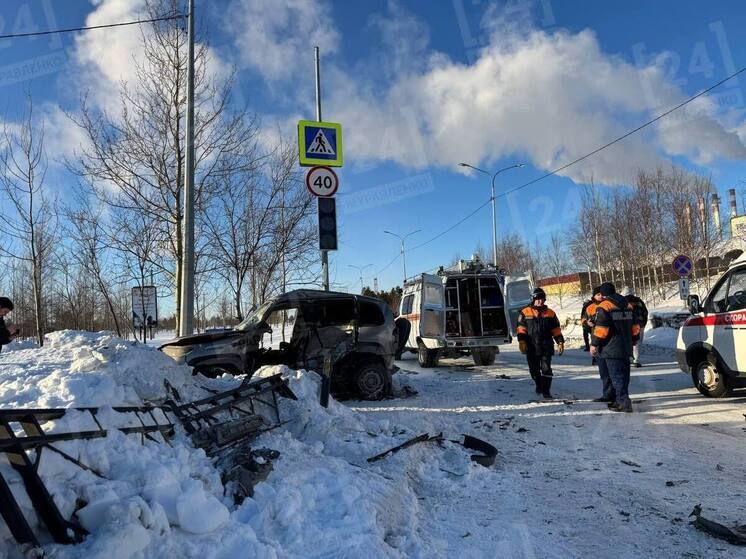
(324, 253)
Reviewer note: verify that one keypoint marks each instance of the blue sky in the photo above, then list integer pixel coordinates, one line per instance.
(421, 85)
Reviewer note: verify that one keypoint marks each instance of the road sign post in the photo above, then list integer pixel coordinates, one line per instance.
(144, 309)
(322, 182)
(683, 288)
(682, 265)
(319, 143)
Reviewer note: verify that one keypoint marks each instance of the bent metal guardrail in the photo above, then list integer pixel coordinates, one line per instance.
(212, 422)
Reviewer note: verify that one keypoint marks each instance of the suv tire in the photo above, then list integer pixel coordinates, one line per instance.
(709, 380)
(372, 380)
(427, 357)
(484, 356)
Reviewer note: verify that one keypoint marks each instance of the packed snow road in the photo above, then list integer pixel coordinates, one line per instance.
(572, 478)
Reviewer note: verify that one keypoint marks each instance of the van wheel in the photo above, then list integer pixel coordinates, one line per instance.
(709, 380)
(427, 357)
(484, 356)
(372, 381)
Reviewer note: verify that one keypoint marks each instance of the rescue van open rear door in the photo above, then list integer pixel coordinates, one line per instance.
(432, 312)
(517, 296)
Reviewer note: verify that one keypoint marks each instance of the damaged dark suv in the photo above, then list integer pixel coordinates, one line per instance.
(301, 329)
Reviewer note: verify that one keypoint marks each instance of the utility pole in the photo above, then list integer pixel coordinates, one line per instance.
(186, 312)
(360, 270)
(402, 251)
(494, 203)
(324, 253)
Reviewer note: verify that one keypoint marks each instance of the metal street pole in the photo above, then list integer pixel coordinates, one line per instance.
(324, 253)
(186, 312)
(494, 203)
(402, 251)
(360, 270)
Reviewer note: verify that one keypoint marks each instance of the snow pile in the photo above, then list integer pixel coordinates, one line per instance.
(17, 344)
(86, 369)
(159, 500)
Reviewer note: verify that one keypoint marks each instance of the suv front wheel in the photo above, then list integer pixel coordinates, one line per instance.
(709, 380)
(372, 380)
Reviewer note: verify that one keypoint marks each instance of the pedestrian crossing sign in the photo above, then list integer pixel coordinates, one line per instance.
(319, 143)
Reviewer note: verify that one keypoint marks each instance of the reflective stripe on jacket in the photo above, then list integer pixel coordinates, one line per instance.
(615, 330)
(539, 327)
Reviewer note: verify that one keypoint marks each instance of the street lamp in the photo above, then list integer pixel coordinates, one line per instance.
(494, 202)
(360, 270)
(403, 258)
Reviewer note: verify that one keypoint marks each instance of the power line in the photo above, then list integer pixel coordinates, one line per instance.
(578, 160)
(624, 136)
(74, 29)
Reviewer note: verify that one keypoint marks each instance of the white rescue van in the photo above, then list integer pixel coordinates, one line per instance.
(464, 309)
(711, 345)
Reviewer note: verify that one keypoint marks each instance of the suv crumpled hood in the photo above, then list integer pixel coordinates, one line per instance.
(195, 339)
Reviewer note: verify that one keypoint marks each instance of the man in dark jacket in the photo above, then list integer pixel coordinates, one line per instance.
(6, 334)
(586, 317)
(615, 332)
(538, 329)
(640, 311)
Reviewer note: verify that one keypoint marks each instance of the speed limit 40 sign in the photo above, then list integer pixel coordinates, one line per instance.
(322, 181)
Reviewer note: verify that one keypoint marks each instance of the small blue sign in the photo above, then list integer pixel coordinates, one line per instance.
(682, 265)
(320, 143)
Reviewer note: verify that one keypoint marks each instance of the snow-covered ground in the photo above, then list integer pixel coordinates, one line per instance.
(571, 479)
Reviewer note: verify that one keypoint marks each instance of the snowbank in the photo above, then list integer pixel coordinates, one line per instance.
(159, 500)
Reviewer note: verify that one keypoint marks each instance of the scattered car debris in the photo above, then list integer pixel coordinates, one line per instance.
(217, 424)
(735, 536)
(244, 469)
(630, 463)
(675, 483)
(486, 458)
(719, 468)
(425, 437)
(489, 452)
(504, 377)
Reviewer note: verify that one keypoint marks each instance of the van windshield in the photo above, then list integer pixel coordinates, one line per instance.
(255, 317)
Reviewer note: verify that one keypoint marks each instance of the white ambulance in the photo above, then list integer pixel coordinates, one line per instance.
(712, 343)
(463, 309)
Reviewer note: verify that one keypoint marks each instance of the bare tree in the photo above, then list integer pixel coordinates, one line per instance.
(28, 215)
(134, 160)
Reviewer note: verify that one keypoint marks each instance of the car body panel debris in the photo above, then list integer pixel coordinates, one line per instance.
(735, 536)
(486, 458)
(424, 438)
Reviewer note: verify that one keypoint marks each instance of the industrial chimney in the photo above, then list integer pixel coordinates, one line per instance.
(701, 208)
(689, 218)
(716, 216)
(733, 205)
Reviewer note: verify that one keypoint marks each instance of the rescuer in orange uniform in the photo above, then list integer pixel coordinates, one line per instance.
(538, 329)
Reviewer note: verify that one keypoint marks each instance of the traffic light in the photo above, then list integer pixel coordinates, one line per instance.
(327, 224)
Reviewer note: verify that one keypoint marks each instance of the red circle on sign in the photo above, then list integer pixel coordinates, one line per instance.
(322, 181)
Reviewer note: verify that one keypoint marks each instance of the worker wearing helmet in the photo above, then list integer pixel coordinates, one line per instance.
(538, 330)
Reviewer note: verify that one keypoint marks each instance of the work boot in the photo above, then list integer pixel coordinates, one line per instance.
(638, 365)
(547, 384)
(614, 406)
(537, 385)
